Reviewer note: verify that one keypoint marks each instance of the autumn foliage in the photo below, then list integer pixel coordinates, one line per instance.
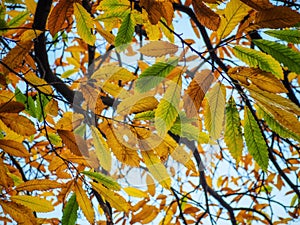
(149, 111)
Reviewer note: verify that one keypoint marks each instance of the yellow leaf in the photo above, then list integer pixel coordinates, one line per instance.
(18, 123)
(234, 13)
(29, 35)
(158, 48)
(84, 24)
(21, 214)
(16, 56)
(69, 121)
(134, 192)
(31, 6)
(205, 15)
(40, 184)
(123, 153)
(10, 134)
(180, 155)
(214, 110)
(115, 200)
(196, 91)
(264, 80)
(59, 14)
(137, 103)
(101, 149)
(84, 203)
(109, 37)
(115, 90)
(14, 148)
(151, 185)
(52, 107)
(273, 100)
(38, 83)
(34, 203)
(155, 166)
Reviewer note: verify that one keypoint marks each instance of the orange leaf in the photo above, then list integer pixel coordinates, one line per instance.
(71, 141)
(5, 180)
(205, 15)
(258, 5)
(19, 124)
(61, 12)
(21, 214)
(16, 56)
(41, 185)
(14, 148)
(196, 91)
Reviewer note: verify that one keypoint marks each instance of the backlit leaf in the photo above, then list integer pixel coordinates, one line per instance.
(281, 53)
(259, 59)
(115, 200)
(11, 107)
(155, 166)
(38, 83)
(103, 179)
(277, 17)
(233, 133)
(205, 15)
(14, 148)
(21, 214)
(70, 211)
(158, 48)
(168, 108)
(233, 14)
(264, 80)
(18, 123)
(34, 203)
(134, 192)
(39, 184)
(256, 144)
(214, 110)
(84, 24)
(58, 15)
(101, 149)
(84, 203)
(125, 33)
(259, 5)
(196, 91)
(154, 75)
(292, 36)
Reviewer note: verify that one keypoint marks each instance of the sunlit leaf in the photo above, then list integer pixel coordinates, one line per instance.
(70, 211)
(292, 36)
(84, 203)
(34, 203)
(125, 33)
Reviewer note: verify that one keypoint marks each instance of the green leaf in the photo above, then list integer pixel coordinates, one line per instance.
(154, 75)
(103, 179)
(19, 19)
(125, 33)
(70, 212)
(147, 115)
(255, 142)
(84, 24)
(214, 110)
(259, 59)
(233, 132)
(114, 5)
(168, 108)
(281, 53)
(189, 131)
(275, 126)
(292, 36)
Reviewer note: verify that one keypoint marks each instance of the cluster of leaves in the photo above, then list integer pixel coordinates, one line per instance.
(76, 118)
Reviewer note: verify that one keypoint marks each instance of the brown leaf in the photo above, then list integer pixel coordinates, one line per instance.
(74, 142)
(196, 91)
(258, 5)
(11, 107)
(156, 10)
(16, 56)
(5, 180)
(14, 148)
(277, 17)
(18, 123)
(61, 12)
(206, 16)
